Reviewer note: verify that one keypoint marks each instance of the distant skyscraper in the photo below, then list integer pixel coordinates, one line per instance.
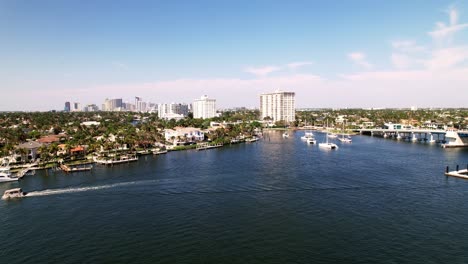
(204, 107)
(173, 110)
(67, 107)
(112, 105)
(76, 107)
(279, 106)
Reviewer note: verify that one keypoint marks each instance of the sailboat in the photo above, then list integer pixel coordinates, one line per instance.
(343, 138)
(328, 145)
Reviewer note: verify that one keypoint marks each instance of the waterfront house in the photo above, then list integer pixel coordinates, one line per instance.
(187, 134)
(31, 148)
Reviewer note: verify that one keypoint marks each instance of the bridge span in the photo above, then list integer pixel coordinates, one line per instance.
(447, 138)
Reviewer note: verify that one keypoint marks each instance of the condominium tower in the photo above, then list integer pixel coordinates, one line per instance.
(204, 107)
(279, 106)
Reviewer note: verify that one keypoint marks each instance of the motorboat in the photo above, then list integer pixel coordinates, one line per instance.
(5, 174)
(311, 141)
(332, 135)
(13, 193)
(285, 135)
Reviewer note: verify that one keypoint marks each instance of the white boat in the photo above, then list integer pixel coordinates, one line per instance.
(122, 159)
(332, 135)
(327, 144)
(343, 138)
(311, 141)
(285, 135)
(307, 135)
(252, 139)
(13, 193)
(5, 174)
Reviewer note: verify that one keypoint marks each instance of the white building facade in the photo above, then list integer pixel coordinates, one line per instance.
(279, 106)
(204, 108)
(173, 110)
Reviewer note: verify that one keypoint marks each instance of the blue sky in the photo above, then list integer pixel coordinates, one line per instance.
(331, 53)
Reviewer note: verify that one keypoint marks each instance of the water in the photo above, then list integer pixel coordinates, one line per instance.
(275, 201)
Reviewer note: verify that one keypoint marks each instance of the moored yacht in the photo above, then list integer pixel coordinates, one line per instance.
(311, 141)
(307, 135)
(5, 174)
(285, 135)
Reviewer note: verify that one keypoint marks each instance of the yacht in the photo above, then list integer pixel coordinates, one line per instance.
(343, 138)
(311, 141)
(5, 174)
(328, 145)
(307, 135)
(285, 135)
(13, 193)
(332, 135)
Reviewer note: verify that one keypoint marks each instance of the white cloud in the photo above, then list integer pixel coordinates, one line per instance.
(447, 58)
(401, 61)
(359, 58)
(296, 65)
(407, 46)
(262, 71)
(444, 33)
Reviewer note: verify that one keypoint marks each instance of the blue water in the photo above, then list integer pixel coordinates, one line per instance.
(275, 201)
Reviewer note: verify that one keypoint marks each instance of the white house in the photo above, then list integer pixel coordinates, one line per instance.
(188, 134)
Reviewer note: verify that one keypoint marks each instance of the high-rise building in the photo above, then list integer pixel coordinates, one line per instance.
(173, 110)
(279, 106)
(91, 108)
(112, 105)
(204, 107)
(76, 107)
(67, 107)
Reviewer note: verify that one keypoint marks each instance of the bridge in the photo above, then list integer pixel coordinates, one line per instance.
(448, 138)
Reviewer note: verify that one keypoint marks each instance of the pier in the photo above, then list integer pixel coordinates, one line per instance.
(203, 146)
(447, 138)
(463, 173)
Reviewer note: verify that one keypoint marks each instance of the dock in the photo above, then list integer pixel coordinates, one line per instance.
(203, 146)
(457, 173)
(66, 168)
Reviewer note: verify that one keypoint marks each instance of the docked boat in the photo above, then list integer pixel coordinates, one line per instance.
(13, 193)
(332, 135)
(311, 141)
(5, 174)
(115, 160)
(252, 139)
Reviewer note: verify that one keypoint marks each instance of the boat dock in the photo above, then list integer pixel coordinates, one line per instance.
(203, 146)
(463, 173)
(66, 168)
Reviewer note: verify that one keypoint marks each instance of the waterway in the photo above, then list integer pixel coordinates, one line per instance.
(274, 201)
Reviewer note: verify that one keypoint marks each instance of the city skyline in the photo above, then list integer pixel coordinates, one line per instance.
(360, 54)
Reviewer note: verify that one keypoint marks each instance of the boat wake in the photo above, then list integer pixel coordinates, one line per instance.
(83, 189)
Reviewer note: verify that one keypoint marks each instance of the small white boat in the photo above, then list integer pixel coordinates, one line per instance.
(5, 174)
(285, 135)
(13, 193)
(307, 135)
(332, 135)
(311, 141)
(345, 139)
(252, 139)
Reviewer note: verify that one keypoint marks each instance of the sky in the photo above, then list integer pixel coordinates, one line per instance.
(330, 53)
